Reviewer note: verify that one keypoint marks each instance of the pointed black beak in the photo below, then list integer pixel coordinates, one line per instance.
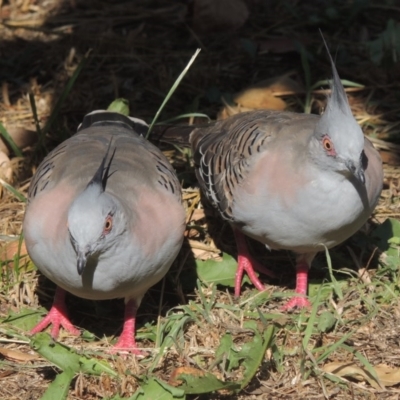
(357, 171)
(81, 262)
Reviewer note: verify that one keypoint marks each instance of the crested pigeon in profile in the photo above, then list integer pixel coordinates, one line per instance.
(104, 218)
(292, 181)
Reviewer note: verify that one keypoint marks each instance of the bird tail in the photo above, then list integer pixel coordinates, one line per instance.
(172, 134)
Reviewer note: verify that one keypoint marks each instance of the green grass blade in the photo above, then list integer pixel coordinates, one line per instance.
(307, 77)
(329, 350)
(311, 320)
(172, 90)
(335, 283)
(64, 94)
(14, 191)
(10, 141)
(188, 115)
(345, 82)
(36, 118)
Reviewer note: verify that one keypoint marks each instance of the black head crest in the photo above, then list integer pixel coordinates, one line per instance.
(338, 97)
(103, 172)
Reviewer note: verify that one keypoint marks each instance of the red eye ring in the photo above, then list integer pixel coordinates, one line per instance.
(328, 146)
(108, 225)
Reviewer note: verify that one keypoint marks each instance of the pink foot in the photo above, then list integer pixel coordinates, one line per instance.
(248, 264)
(296, 302)
(300, 300)
(126, 341)
(57, 316)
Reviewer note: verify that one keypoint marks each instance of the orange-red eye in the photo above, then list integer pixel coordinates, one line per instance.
(327, 144)
(108, 224)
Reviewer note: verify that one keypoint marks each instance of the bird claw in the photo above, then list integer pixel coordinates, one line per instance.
(299, 302)
(244, 264)
(126, 345)
(248, 264)
(57, 317)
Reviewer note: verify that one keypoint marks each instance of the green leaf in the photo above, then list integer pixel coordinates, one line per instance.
(225, 345)
(226, 351)
(219, 272)
(170, 334)
(58, 389)
(204, 382)
(65, 358)
(323, 290)
(394, 240)
(155, 389)
(326, 321)
(120, 106)
(25, 319)
(384, 235)
(61, 356)
(254, 353)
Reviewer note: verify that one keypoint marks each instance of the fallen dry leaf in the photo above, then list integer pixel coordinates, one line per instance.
(390, 157)
(10, 249)
(211, 16)
(388, 376)
(5, 167)
(263, 95)
(259, 98)
(354, 371)
(4, 374)
(202, 255)
(21, 136)
(17, 355)
(183, 370)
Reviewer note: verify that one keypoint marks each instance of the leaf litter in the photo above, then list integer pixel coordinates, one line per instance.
(199, 338)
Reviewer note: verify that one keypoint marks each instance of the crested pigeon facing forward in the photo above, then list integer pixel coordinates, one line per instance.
(104, 218)
(292, 181)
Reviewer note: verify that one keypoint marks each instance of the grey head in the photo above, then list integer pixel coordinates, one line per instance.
(338, 141)
(95, 218)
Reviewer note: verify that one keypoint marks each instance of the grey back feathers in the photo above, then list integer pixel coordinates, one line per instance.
(126, 141)
(111, 177)
(104, 218)
(297, 182)
(284, 148)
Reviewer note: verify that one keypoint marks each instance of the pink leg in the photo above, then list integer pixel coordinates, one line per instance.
(126, 341)
(57, 316)
(248, 264)
(300, 300)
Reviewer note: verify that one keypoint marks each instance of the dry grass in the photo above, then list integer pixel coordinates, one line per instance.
(138, 49)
